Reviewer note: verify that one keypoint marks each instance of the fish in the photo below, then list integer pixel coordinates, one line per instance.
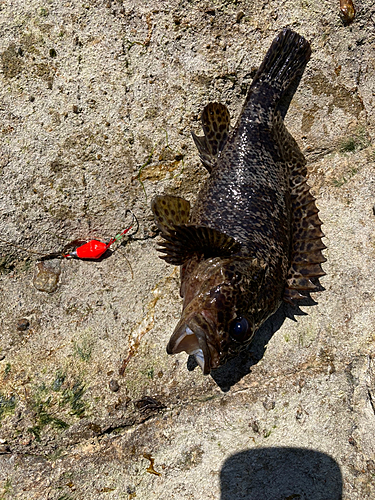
(253, 237)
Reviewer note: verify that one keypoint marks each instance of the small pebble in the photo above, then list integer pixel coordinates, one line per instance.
(23, 324)
(269, 405)
(347, 10)
(255, 426)
(46, 276)
(114, 385)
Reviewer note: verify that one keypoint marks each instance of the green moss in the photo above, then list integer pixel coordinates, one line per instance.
(339, 182)
(73, 397)
(7, 405)
(25, 265)
(83, 350)
(344, 179)
(46, 399)
(7, 370)
(58, 382)
(359, 140)
(6, 265)
(43, 417)
(7, 489)
(149, 372)
(348, 145)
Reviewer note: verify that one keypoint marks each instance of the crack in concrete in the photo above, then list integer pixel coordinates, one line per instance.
(146, 324)
(371, 400)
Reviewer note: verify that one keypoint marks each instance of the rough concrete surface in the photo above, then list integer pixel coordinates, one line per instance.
(97, 100)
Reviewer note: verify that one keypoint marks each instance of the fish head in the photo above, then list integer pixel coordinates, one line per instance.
(221, 309)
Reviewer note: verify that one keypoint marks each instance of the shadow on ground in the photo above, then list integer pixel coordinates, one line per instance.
(280, 474)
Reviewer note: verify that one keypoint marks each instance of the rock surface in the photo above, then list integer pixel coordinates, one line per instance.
(97, 100)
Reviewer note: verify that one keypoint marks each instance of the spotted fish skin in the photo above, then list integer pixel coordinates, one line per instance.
(253, 235)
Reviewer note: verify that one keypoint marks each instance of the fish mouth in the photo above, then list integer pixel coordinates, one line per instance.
(190, 336)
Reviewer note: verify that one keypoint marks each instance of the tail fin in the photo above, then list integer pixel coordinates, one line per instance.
(284, 62)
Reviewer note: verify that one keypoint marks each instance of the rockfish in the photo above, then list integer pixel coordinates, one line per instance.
(253, 237)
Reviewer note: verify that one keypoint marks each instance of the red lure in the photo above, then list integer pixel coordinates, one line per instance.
(94, 249)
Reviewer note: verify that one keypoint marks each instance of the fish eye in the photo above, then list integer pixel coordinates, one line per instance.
(239, 329)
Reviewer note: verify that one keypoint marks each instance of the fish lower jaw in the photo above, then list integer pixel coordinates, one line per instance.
(199, 358)
(184, 339)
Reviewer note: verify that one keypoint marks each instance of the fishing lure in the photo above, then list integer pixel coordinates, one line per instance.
(92, 250)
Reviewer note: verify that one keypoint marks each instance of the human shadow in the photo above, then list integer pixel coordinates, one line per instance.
(281, 474)
(235, 369)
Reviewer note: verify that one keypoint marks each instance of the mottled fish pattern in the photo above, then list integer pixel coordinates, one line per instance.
(253, 237)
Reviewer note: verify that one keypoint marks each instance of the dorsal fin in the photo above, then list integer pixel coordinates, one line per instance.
(306, 244)
(216, 123)
(184, 241)
(170, 211)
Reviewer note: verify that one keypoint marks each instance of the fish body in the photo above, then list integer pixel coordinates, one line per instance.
(253, 237)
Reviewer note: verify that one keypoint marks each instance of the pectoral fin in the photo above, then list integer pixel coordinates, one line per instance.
(184, 241)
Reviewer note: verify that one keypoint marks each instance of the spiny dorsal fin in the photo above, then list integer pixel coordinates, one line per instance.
(307, 246)
(291, 295)
(182, 242)
(216, 123)
(170, 211)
